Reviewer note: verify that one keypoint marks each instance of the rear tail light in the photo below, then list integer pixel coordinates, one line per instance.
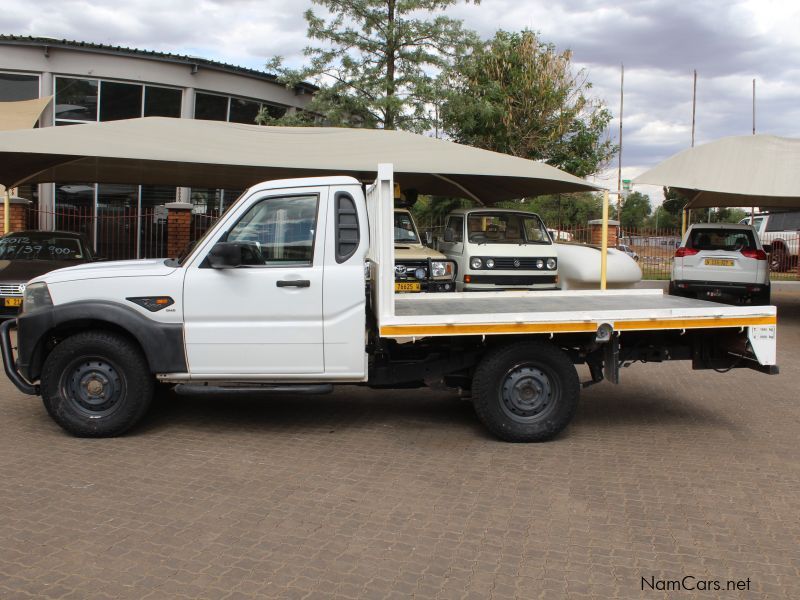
(757, 254)
(682, 251)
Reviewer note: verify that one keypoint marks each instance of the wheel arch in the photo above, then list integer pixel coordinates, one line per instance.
(161, 343)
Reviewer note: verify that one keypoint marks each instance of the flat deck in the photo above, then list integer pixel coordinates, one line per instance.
(561, 311)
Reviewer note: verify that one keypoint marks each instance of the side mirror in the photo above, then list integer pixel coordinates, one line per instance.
(767, 248)
(449, 235)
(225, 255)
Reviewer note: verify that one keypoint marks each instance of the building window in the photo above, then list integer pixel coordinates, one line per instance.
(244, 111)
(120, 101)
(162, 102)
(211, 107)
(76, 99)
(90, 100)
(14, 87)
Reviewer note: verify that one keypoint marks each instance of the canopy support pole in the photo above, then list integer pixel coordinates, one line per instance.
(683, 222)
(461, 187)
(604, 243)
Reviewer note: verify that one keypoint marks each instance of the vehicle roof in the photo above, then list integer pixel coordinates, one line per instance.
(721, 226)
(484, 209)
(304, 182)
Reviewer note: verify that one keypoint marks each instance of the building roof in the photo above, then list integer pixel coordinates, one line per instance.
(192, 61)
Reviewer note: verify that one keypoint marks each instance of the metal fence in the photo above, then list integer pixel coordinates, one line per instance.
(654, 249)
(114, 234)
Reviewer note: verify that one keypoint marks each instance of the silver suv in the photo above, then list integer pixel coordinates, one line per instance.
(721, 262)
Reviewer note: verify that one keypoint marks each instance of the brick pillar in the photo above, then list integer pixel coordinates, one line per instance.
(596, 231)
(179, 219)
(18, 215)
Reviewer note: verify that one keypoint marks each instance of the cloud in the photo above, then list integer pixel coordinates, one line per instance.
(660, 42)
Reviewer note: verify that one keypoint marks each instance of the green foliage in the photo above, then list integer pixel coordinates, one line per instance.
(673, 202)
(635, 211)
(517, 95)
(376, 62)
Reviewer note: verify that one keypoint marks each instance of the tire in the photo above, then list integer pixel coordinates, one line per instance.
(96, 384)
(526, 391)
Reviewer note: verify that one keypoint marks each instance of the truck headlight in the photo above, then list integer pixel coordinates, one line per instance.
(475, 262)
(539, 264)
(490, 263)
(442, 269)
(36, 297)
(551, 263)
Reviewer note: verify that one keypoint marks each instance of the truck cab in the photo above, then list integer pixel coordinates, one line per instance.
(499, 249)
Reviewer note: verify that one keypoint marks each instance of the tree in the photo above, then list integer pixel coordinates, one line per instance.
(517, 95)
(376, 63)
(635, 210)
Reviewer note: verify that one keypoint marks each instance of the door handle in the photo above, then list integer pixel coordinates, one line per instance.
(293, 283)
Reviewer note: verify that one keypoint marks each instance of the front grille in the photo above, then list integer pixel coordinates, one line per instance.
(510, 263)
(405, 270)
(11, 290)
(512, 279)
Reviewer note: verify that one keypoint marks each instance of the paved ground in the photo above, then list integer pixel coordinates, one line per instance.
(400, 494)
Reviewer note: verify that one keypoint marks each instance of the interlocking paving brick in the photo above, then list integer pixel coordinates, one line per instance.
(398, 494)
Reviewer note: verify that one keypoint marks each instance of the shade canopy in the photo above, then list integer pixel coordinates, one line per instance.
(22, 114)
(749, 170)
(195, 153)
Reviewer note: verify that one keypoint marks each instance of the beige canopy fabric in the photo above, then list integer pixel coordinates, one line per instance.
(189, 152)
(22, 114)
(749, 170)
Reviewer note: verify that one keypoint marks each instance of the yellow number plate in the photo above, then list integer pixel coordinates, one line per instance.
(411, 286)
(719, 262)
(12, 301)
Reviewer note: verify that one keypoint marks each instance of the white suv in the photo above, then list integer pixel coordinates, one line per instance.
(723, 262)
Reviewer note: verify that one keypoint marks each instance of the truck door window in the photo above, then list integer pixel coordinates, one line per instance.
(279, 231)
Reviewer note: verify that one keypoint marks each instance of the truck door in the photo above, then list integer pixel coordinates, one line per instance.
(265, 316)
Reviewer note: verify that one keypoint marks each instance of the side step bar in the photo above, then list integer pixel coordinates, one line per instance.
(198, 389)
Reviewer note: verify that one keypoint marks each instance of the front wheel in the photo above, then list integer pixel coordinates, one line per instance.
(96, 384)
(526, 392)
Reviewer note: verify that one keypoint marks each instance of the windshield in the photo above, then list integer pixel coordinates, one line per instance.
(506, 228)
(404, 230)
(731, 240)
(42, 246)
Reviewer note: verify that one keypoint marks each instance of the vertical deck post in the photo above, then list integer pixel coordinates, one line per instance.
(604, 243)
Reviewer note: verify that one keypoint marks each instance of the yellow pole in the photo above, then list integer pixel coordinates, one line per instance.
(683, 222)
(6, 211)
(604, 244)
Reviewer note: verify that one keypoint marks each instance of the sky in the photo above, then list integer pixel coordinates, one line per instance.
(660, 43)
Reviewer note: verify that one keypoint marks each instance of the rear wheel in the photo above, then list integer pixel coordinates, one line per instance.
(526, 392)
(96, 384)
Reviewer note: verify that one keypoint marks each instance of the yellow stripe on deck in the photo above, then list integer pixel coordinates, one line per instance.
(575, 327)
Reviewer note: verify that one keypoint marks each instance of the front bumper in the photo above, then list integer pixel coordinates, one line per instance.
(716, 290)
(502, 281)
(10, 363)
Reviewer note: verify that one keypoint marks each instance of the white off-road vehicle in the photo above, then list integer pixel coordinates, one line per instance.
(417, 267)
(500, 249)
(722, 262)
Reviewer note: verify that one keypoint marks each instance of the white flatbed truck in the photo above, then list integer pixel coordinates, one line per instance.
(292, 291)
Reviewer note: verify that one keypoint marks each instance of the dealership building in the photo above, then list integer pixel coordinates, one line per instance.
(93, 82)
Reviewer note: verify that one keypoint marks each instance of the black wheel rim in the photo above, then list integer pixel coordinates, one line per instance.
(93, 386)
(528, 393)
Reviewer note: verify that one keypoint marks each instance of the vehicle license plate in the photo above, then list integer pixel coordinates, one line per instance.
(407, 286)
(719, 262)
(13, 301)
